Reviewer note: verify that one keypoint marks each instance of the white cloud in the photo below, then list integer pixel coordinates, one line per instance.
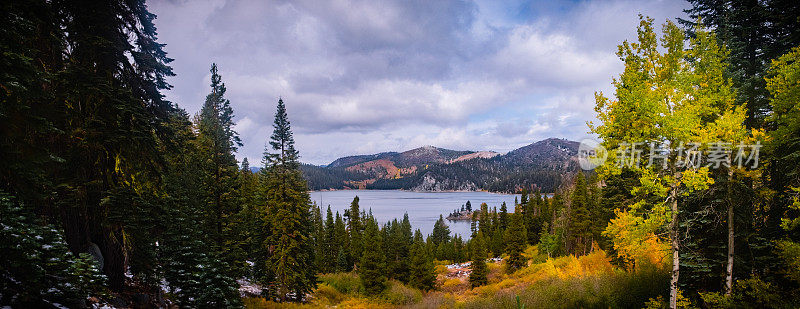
(371, 76)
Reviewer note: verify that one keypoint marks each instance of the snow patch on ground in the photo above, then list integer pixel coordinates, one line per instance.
(248, 289)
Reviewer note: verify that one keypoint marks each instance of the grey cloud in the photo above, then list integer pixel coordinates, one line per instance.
(413, 71)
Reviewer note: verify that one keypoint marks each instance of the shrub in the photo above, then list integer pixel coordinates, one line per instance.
(345, 283)
(753, 292)
(453, 285)
(573, 285)
(440, 269)
(329, 293)
(399, 294)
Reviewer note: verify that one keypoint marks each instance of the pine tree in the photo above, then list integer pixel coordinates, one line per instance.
(245, 165)
(441, 232)
(473, 224)
(579, 230)
(503, 216)
(516, 241)
(190, 265)
(319, 238)
(497, 242)
(291, 237)
(479, 271)
(330, 245)
(485, 222)
(469, 206)
(459, 254)
(355, 230)
(783, 166)
(400, 240)
(372, 268)
(38, 269)
(422, 274)
(755, 32)
(531, 219)
(343, 258)
(110, 69)
(216, 143)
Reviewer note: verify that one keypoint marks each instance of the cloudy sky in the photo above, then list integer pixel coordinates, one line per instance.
(381, 75)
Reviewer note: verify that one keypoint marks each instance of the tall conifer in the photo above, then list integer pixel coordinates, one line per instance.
(291, 239)
(478, 276)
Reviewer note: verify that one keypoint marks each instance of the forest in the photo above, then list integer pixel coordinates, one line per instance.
(112, 196)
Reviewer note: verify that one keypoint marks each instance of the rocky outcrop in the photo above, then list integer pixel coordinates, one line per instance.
(430, 183)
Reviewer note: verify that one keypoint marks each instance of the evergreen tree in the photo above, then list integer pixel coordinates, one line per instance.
(372, 268)
(245, 165)
(783, 165)
(459, 254)
(319, 238)
(99, 74)
(249, 219)
(473, 224)
(497, 242)
(422, 274)
(343, 258)
(524, 197)
(485, 222)
(478, 276)
(598, 215)
(579, 231)
(531, 219)
(37, 269)
(516, 241)
(503, 216)
(216, 143)
(441, 232)
(400, 239)
(291, 239)
(755, 32)
(469, 206)
(355, 229)
(330, 244)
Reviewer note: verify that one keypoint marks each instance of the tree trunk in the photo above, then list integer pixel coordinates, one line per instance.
(729, 270)
(673, 235)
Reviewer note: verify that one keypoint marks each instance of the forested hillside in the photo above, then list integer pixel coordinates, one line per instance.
(544, 165)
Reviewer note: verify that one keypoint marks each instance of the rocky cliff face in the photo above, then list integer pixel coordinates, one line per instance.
(430, 183)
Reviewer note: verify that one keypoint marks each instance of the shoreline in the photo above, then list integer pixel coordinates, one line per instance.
(403, 190)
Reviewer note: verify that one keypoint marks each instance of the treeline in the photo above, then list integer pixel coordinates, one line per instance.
(355, 241)
(565, 224)
(110, 191)
(321, 178)
(474, 174)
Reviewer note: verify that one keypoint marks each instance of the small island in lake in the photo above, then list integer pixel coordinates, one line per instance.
(463, 214)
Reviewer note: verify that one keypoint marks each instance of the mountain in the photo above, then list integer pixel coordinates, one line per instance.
(542, 165)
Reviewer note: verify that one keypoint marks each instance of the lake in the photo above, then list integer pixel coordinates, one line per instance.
(423, 208)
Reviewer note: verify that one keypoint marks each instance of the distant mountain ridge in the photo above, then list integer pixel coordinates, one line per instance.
(543, 165)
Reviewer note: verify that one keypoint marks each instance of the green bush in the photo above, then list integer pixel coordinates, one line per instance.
(328, 292)
(345, 283)
(750, 293)
(399, 294)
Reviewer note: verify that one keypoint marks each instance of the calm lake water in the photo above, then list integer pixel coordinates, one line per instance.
(423, 208)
